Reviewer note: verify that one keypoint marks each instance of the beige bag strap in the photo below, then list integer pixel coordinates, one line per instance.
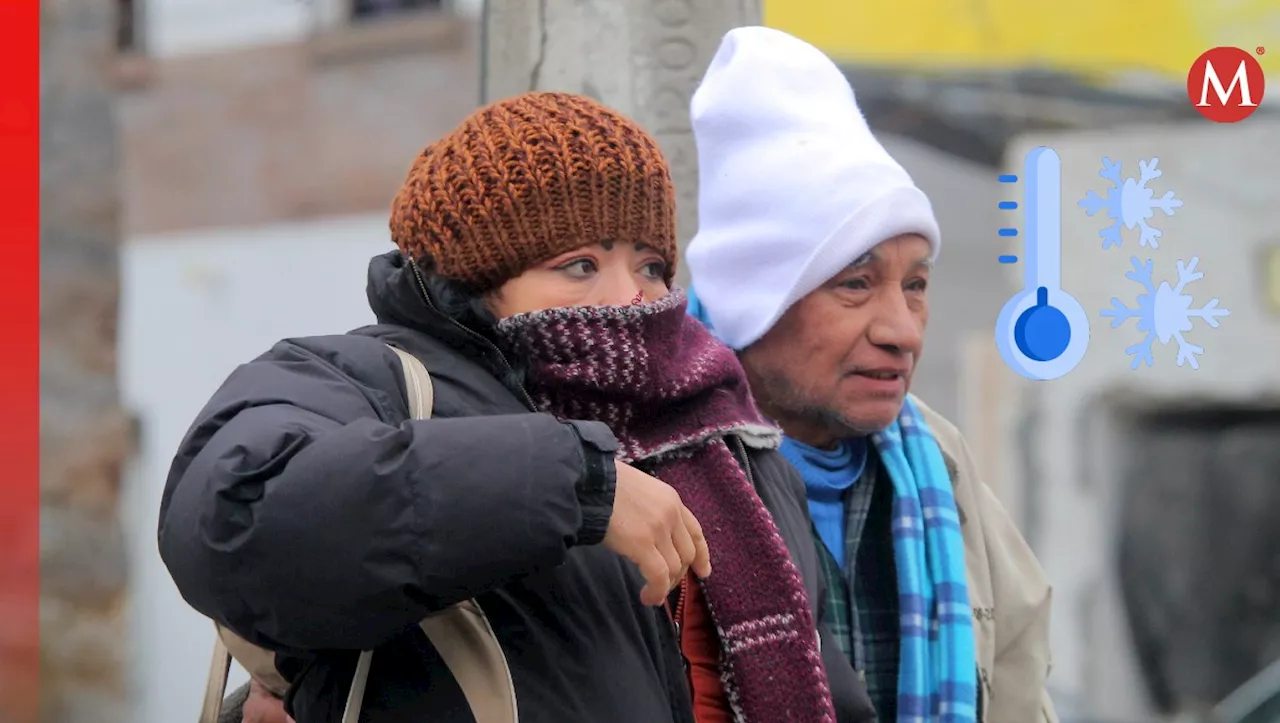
(467, 644)
(216, 687)
(417, 383)
(227, 647)
(259, 662)
(461, 634)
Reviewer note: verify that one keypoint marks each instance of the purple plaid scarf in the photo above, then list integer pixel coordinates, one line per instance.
(670, 392)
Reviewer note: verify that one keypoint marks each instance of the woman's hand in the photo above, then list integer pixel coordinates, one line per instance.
(651, 527)
(263, 707)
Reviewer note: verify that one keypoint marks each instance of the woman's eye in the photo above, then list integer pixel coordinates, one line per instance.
(655, 269)
(579, 268)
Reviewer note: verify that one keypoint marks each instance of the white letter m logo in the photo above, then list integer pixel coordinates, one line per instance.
(1241, 78)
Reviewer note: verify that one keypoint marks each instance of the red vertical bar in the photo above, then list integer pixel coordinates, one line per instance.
(19, 359)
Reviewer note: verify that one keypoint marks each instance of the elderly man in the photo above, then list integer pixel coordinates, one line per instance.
(812, 258)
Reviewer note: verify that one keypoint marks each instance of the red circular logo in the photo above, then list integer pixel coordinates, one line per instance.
(1226, 84)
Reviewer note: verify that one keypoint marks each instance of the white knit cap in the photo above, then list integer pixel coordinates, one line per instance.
(793, 186)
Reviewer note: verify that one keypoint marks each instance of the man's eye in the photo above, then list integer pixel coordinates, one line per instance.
(858, 284)
(918, 285)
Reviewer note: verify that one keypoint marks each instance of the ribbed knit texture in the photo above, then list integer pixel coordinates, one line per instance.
(670, 393)
(792, 184)
(526, 179)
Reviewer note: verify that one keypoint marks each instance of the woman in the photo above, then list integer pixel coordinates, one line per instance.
(590, 450)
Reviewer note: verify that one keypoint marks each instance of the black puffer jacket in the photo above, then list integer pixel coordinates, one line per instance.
(308, 514)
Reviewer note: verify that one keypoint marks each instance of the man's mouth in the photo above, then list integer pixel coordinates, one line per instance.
(883, 372)
(880, 375)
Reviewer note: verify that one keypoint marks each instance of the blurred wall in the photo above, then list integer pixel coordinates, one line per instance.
(181, 27)
(260, 154)
(325, 125)
(85, 438)
(173, 28)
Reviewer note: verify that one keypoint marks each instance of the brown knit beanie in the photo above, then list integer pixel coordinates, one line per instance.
(527, 179)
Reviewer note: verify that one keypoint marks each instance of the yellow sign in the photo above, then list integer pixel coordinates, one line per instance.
(1094, 37)
(1271, 266)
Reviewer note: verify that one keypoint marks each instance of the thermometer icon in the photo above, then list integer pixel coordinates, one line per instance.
(1042, 332)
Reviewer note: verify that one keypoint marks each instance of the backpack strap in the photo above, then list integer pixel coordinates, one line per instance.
(417, 382)
(216, 686)
(461, 633)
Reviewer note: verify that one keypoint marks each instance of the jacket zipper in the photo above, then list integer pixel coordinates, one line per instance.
(681, 607)
(984, 690)
(426, 298)
(528, 400)
(678, 612)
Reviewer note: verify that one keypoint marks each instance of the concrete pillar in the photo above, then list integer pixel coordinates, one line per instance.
(85, 439)
(643, 57)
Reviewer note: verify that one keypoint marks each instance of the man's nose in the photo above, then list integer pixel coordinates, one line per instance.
(895, 325)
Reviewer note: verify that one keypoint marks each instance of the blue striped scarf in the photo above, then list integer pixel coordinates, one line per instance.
(937, 678)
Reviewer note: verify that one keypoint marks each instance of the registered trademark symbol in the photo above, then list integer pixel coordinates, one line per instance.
(1260, 50)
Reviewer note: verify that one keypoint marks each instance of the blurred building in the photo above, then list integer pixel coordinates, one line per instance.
(238, 113)
(85, 439)
(261, 142)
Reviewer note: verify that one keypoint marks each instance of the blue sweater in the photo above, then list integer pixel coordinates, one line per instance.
(828, 474)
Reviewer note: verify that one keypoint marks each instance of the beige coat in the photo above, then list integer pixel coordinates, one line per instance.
(1009, 592)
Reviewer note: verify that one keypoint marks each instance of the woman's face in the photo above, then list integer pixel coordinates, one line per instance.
(603, 274)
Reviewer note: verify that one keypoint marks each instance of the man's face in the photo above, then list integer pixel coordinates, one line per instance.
(839, 362)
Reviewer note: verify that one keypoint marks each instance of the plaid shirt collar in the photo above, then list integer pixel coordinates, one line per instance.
(865, 623)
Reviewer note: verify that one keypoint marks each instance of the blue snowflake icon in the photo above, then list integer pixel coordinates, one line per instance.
(1130, 203)
(1164, 313)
